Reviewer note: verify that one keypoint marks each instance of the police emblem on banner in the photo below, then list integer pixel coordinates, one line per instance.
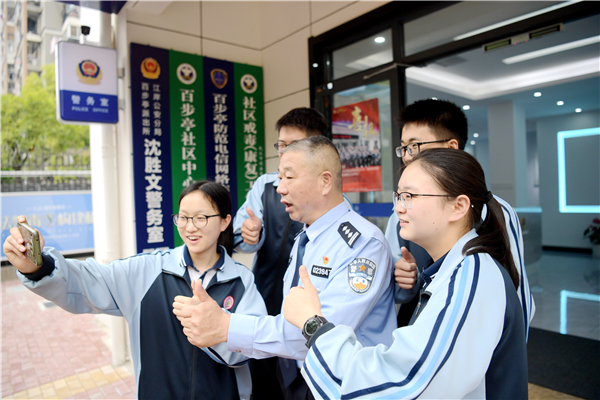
(150, 68)
(361, 274)
(248, 83)
(186, 74)
(218, 78)
(228, 302)
(89, 72)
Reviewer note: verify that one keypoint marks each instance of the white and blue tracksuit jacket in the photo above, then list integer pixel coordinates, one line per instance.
(142, 289)
(515, 235)
(349, 263)
(467, 342)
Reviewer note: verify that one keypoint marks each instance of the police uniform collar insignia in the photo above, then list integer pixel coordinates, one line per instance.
(361, 275)
(349, 233)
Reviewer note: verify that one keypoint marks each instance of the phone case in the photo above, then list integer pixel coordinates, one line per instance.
(31, 237)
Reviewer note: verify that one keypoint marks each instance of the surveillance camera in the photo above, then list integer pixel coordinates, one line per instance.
(85, 30)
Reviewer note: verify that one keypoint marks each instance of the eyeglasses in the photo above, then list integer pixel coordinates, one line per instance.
(199, 221)
(280, 146)
(414, 148)
(406, 198)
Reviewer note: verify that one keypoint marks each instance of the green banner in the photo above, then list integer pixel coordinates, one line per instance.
(249, 131)
(188, 145)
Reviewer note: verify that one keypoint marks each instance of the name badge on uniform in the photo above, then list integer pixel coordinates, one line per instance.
(361, 274)
(320, 271)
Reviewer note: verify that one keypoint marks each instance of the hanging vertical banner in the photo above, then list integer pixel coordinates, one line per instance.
(250, 129)
(193, 118)
(188, 144)
(220, 124)
(151, 147)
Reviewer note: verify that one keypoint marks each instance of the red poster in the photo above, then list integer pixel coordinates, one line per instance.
(357, 138)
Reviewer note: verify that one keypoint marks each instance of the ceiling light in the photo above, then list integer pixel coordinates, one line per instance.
(476, 135)
(434, 98)
(578, 110)
(472, 143)
(379, 39)
(537, 94)
(552, 50)
(466, 107)
(330, 86)
(315, 65)
(560, 103)
(516, 19)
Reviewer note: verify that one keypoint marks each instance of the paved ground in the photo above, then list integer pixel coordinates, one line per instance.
(49, 353)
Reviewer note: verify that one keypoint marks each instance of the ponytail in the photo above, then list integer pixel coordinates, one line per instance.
(458, 173)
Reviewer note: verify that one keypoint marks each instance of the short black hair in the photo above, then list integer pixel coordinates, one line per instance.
(443, 117)
(307, 119)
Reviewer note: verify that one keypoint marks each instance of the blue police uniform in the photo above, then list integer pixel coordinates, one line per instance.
(349, 263)
(276, 239)
(515, 235)
(467, 341)
(141, 289)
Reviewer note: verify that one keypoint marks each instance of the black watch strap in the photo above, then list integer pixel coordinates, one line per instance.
(321, 331)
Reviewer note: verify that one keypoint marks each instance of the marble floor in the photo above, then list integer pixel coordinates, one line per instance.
(566, 290)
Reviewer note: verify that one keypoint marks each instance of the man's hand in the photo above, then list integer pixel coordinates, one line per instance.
(14, 248)
(204, 322)
(406, 270)
(251, 228)
(301, 303)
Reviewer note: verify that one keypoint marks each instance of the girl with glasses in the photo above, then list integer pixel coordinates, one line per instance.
(143, 288)
(466, 338)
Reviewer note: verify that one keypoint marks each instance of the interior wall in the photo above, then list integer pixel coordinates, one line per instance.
(561, 229)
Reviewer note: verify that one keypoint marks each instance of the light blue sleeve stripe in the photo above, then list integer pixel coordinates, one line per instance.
(315, 368)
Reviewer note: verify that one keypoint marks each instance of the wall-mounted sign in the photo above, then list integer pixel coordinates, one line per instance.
(86, 84)
(355, 133)
(193, 118)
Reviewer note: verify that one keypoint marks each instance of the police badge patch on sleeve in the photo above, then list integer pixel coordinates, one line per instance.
(349, 233)
(361, 274)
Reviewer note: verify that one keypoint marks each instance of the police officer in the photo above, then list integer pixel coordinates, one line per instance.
(261, 225)
(348, 261)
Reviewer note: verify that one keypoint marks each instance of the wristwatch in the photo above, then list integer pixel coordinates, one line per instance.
(312, 325)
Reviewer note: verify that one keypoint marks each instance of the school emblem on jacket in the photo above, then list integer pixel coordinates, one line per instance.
(228, 302)
(89, 72)
(361, 274)
(150, 68)
(218, 78)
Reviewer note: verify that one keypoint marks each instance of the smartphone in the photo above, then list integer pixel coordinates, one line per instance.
(31, 240)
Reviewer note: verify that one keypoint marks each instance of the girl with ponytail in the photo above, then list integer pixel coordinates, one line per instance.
(466, 338)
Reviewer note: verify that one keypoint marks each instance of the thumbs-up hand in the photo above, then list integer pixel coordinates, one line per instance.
(251, 228)
(204, 323)
(301, 303)
(405, 270)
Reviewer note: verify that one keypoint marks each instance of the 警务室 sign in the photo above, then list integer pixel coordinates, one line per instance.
(86, 84)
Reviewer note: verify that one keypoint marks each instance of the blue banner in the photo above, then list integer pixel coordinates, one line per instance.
(63, 218)
(219, 116)
(90, 107)
(151, 147)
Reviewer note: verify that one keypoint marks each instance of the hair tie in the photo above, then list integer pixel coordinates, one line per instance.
(488, 196)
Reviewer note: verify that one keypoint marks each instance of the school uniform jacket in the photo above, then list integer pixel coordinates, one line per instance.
(142, 289)
(515, 235)
(467, 342)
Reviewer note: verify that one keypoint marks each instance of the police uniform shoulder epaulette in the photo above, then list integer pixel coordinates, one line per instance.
(349, 233)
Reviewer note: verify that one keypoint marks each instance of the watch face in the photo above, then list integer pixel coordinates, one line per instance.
(312, 325)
